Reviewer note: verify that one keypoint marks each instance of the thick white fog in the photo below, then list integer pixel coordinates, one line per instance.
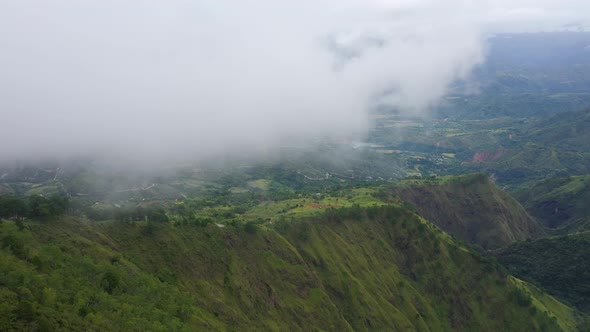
(179, 78)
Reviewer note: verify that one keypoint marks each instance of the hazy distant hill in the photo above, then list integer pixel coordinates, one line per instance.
(569, 131)
(553, 62)
(526, 75)
(520, 151)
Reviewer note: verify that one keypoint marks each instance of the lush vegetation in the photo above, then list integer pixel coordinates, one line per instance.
(347, 269)
(470, 207)
(560, 203)
(35, 206)
(559, 264)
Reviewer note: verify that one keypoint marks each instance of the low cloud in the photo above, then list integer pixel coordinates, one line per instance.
(191, 79)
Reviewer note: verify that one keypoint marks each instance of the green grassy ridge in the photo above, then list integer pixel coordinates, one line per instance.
(470, 207)
(167, 279)
(560, 203)
(369, 269)
(428, 267)
(560, 264)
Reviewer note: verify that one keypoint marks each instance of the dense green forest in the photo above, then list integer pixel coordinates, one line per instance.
(559, 264)
(34, 206)
(560, 203)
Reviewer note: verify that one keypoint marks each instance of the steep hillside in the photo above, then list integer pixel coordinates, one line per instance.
(470, 207)
(380, 268)
(560, 203)
(560, 264)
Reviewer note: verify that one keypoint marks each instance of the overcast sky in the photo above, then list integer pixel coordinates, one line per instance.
(187, 78)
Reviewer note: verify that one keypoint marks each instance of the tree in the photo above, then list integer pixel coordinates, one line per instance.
(12, 207)
(58, 204)
(39, 207)
(158, 215)
(45, 208)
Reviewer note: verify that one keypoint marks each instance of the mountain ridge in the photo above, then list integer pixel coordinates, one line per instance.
(350, 269)
(470, 207)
